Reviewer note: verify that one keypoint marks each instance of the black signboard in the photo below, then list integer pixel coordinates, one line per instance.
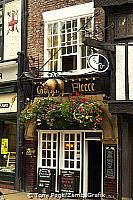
(67, 181)
(44, 180)
(110, 161)
(93, 85)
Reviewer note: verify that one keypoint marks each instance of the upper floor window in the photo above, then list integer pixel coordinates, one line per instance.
(63, 47)
(123, 25)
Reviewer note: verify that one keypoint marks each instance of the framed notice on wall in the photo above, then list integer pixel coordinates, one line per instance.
(110, 158)
(4, 146)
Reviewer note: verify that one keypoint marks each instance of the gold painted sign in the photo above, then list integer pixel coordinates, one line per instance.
(83, 87)
(86, 86)
(4, 146)
(41, 90)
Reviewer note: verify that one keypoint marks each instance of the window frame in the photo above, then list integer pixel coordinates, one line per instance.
(51, 150)
(76, 159)
(59, 15)
(116, 19)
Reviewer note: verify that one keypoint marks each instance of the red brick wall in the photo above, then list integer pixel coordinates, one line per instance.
(30, 166)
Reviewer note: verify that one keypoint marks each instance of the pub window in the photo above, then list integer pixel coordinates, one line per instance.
(49, 149)
(124, 26)
(64, 48)
(71, 151)
(7, 148)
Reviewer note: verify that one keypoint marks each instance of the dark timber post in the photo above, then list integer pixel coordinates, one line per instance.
(124, 158)
(20, 128)
(22, 67)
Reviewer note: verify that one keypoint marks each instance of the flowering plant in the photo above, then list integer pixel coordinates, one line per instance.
(78, 110)
(89, 113)
(36, 109)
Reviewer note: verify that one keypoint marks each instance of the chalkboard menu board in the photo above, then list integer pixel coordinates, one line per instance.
(110, 161)
(67, 181)
(44, 180)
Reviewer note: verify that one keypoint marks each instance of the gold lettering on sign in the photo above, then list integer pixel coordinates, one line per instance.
(87, 87)
(82, 87)
(92, 87)
(41, 90)
(75, 87)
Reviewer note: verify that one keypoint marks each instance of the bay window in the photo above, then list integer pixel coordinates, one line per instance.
(63, 47)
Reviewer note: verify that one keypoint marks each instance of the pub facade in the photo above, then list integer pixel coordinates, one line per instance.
(68, 159)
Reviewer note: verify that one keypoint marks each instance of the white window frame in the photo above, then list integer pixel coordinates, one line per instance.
(40, 148)
(62, 151)
(78, 11)
(83, 151)
(39, 156)
(85, 158)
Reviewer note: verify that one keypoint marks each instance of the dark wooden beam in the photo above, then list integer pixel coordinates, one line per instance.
(98, 44)
(121, 107)
(102, 3)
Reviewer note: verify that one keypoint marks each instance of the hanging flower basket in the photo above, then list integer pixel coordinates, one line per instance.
(90, 114)
(60, 114)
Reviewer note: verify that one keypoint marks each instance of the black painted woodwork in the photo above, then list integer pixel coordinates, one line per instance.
(125, 157)
(98, 44)
(121, 106)
(94, 166)
(99, 3)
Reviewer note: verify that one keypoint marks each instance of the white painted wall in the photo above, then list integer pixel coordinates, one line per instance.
(10, 98)
(120, 72)
(130, 71)
(9, 71)
(68, 12)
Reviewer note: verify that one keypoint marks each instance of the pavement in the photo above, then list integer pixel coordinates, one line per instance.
(8, 194)
(15, 195)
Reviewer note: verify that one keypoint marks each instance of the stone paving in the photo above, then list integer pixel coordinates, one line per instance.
(14, 195)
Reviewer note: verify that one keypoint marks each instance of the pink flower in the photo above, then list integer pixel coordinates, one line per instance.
(77, 94)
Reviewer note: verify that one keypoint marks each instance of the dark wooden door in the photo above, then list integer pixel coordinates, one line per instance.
(94, 166)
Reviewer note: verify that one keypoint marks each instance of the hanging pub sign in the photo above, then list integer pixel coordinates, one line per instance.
(97, 63)
(110, 161)
(88, 85)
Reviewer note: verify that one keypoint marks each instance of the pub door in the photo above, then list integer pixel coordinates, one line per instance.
(94, 168)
